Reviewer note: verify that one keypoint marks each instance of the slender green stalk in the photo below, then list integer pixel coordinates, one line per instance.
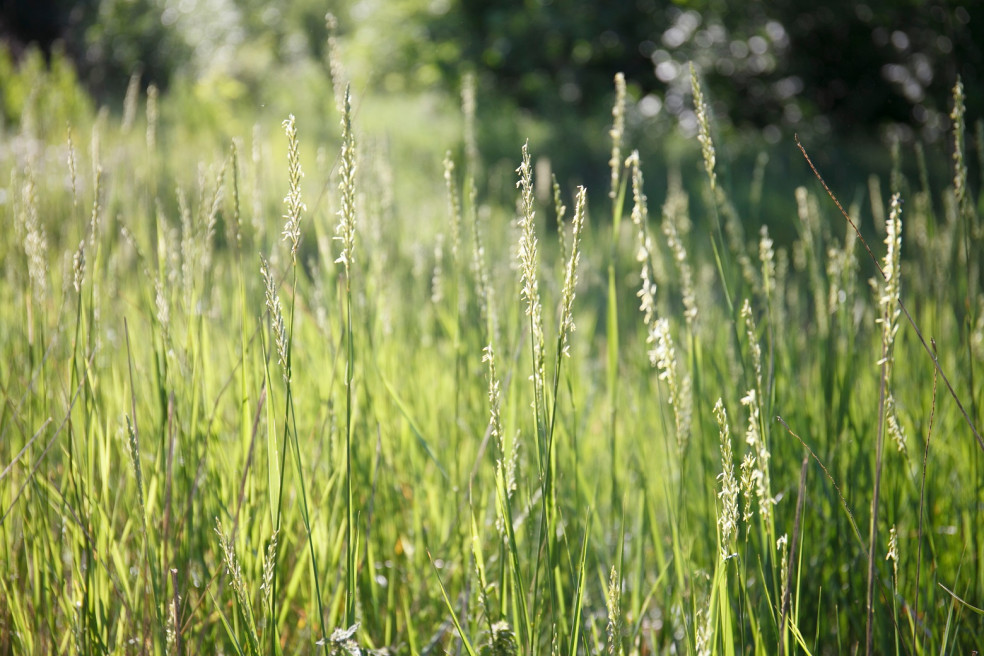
(889, 303)
(285, 341)
(617, 195)
(345, 233)
(530, 293)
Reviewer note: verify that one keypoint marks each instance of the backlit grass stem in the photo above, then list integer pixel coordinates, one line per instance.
(345, 234)
(617, 195)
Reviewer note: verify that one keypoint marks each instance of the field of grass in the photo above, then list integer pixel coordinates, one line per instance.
(279, 396)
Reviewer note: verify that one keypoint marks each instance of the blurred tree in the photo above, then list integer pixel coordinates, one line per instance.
(123, 37)
(41, 22)
(786, 64)
(776, 66)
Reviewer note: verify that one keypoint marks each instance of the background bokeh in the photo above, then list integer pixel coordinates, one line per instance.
(840, 71)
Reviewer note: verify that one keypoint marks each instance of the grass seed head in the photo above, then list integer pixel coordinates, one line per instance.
(342, 642)
(893, 551)
(152, 117)
(336, 69)
(266, 587)
(276, 316)
(728, 519)
(747, 485)
(73, 168)
(613, 602)
(505, 460)
(704, 631)
(502, 641)
(672, 233)
(895, 430)
(292, 224)
(35, 239)
(754, 439)
(890, 287)
(78, 267)
(662, 356)
(454, 206)
(754, 348)
(959, 166)
(437, 277)
(130, 102)
(468, 106)
(644, 248)
(345, 230)
(570, 276)
(616, 133)
(529, 264)
(703, 128)
(767, 255)
(782, 546)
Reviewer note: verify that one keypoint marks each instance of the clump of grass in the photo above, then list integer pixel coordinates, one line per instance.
(432, 502)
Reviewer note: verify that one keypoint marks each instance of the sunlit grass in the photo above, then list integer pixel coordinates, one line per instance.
(433, 424)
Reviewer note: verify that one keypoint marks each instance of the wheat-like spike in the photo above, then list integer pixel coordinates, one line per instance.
(747, 485)
(662, 356)
(152, 117)
(673, 240)
(454, 206)
(130, 102)
(704, 128)
(616, 133)
(235, 572)
(78, 267)
(505, 460)
(502, 641)
(335, 68)
(888, 300)
(269, 562)
(276, 317)
(613, 603)
(895, 429)
(893, 551)
(73, 168)
(644, 250)
(570, 276)
(754, 348)
(345, 230)
(529, 265)
(704, 631)
(35, 239)
(959, 127)
(760, 472)
(468, 107)
(437, 277)
(782, 546)
(292, 225)
(728, 520)
(767, 256)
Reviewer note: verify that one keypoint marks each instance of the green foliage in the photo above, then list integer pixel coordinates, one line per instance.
(47, 95)
(123, 37)
(790, 65)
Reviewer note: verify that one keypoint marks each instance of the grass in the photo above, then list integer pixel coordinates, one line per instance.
(431, 425)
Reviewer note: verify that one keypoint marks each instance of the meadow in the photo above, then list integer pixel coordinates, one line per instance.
(268, 395)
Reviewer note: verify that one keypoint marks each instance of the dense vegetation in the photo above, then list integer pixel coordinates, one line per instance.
(840, 70)
(249, 410)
